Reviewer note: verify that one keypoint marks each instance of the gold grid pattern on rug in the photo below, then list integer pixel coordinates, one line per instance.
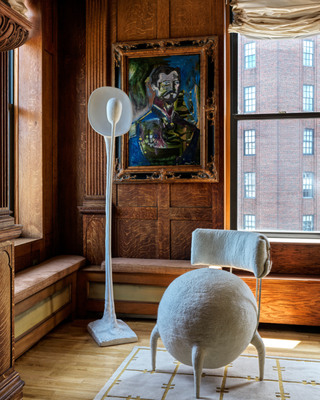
(277, 364)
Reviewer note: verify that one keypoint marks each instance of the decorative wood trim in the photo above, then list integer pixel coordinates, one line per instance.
(9, 379)
(14, 28)
(4, 183)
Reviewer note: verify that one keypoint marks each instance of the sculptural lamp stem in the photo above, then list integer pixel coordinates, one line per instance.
(108, 330)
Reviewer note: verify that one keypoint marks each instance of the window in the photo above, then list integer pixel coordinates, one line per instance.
(250, 55)
(307, 97)
(250, 99)
(307, 223)
(249, 223)
(308, 53)
(308, 141)
(249, 142)
(250, 185)
(307, 183)
(275, 119)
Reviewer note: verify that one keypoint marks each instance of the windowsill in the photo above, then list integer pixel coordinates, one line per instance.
(22, 241)
(294, 240)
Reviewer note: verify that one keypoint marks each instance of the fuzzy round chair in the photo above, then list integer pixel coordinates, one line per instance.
(207, 317)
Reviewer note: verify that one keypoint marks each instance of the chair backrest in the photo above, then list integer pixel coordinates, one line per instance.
(249, 251)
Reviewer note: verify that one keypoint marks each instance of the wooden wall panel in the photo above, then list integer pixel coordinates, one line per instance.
(136, 20)
(295, 258)
(181, 237)
(137, 239)
(137, 195)
(5, 313)
(72, 119)
(191, 195)
(288, 301)
(31, 128)
(48, 141)
(94, 243)
(146, 216)
(191, 18)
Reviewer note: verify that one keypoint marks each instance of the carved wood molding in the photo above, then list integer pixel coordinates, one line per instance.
(14, 28)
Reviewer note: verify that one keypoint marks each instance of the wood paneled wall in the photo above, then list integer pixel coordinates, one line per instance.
(36, 195)
(150, 220)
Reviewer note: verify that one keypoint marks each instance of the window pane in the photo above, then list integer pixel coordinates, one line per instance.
(249, 222)
(307, 223)
(278, 70)
(249, 142)
(278, 184)
(308, 53)
(308, 148)
(250, 55)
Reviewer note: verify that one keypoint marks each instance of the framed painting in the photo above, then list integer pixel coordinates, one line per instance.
(173, 88)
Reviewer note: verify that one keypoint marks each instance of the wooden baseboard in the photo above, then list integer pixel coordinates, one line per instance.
(27, 341)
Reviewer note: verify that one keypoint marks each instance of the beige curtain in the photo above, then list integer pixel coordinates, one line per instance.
(276, 19)
(18, 5)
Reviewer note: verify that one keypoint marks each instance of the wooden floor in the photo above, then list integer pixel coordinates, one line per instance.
(68, 364)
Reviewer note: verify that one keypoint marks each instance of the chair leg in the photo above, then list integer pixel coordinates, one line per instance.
(153, 344)
(198, 355)
(259, 345)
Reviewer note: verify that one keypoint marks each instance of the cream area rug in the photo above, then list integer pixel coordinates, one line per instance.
(285, 378)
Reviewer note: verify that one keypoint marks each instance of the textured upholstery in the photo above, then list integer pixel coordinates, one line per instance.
(249, 251)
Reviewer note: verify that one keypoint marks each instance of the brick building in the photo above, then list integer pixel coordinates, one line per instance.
(277, 159)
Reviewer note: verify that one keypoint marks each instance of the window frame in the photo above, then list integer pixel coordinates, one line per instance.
(305, 89)
(253, 219)
(307, 53)
(234, 119)
(246, 56)
(312, 221)
(252, 142)
(311, 179)
(307, 130)
(244, 99)
(248, 187)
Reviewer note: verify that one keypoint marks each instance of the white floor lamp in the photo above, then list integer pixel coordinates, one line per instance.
(106, 117)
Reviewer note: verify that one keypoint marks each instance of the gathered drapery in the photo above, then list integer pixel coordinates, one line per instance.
(276, 19)
(18, 5)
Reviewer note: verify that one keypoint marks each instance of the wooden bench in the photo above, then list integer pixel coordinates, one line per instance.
(44, 295)
(140, 283)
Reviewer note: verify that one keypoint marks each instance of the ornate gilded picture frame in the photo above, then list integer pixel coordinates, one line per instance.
(173, 88)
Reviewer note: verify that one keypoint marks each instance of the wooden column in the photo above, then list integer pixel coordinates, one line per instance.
(10, 382)
(96, 36)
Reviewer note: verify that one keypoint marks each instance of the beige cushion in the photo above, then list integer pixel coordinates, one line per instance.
(249, 251)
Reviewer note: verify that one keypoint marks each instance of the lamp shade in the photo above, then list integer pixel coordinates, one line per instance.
(97, 114)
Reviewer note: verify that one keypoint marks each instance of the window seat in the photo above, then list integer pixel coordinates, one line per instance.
(140, 283)
(44, 295)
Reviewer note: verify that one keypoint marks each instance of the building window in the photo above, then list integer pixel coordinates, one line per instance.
(249, 223)
(307, 223)
(308, 141)
(250, 185)
(307, 97)
(307, 183)
(249, 142)
(250, 99)
(250, 55)
(308, 46)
